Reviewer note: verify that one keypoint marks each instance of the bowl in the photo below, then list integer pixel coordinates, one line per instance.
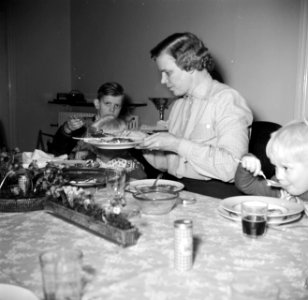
(156, 202)
(156, 188)
(140, 185)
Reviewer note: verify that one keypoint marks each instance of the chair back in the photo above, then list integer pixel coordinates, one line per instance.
(44, 141)
(133, 123)
(259, 136)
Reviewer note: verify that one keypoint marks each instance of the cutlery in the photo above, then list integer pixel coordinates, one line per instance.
(160, 175)
(4, 178)
(269, 182)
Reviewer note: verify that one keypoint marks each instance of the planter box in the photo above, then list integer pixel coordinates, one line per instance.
(21, 204)
(121, 237)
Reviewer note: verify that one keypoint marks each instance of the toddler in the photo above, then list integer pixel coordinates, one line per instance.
(287, 150)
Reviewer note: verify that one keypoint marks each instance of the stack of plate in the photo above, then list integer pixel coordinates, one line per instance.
(280, 211)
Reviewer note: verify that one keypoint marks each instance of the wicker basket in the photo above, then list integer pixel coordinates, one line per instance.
(21, 204)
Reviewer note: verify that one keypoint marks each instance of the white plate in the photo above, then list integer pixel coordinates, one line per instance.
(13, 292)
(131, 187)
(103, 143)
(277, 207)
(271, 221)
(86, 183)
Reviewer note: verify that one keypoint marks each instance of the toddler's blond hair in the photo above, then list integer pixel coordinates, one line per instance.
(289, 142)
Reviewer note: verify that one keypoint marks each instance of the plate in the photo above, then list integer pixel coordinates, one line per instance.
(13, 292)
(85, 177)
(271, 220)
(104, 143)
(131, 187)
(277, 207)
(86, 183)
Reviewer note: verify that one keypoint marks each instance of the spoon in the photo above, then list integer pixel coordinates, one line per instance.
(160, 175)
(269, 182)
(6, 175)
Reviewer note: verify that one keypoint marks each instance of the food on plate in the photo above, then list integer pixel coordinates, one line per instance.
(126, 136)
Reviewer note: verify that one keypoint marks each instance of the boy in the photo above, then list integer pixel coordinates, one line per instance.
(287, 149)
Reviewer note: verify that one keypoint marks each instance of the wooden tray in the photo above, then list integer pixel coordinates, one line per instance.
(121, 237)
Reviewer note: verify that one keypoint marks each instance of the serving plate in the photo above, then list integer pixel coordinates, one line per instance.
(276, 207)
(86, 183)
(271, 220)
(106, 142)
(85, 177)
(13, 292)
(131, 187)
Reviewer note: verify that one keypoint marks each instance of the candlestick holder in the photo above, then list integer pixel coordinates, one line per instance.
(161, 105)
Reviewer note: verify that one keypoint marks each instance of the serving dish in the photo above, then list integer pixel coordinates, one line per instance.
(136, 185)
(85, 177)
(111, 142)
(157, 202)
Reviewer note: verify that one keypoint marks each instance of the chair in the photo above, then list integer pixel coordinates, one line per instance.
(44, 141)
(259, 136)
(133, 122)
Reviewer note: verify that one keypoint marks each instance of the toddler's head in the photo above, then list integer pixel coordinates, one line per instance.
(287, 149)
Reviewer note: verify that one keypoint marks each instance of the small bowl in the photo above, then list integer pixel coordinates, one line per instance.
(156, 202)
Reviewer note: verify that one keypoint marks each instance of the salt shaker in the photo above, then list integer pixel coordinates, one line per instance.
(183, 244)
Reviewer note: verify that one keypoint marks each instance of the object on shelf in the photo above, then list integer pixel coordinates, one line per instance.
(161, 105)
(76, 96)
(87, 103)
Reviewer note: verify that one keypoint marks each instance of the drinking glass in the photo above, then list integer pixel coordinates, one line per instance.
(62, 274)
(254, 218)
(115, 184)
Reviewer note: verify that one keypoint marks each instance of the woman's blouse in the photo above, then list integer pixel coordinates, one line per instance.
(213, 124)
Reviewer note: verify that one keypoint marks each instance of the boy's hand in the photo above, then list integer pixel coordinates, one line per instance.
(73, 124)
(251, 164)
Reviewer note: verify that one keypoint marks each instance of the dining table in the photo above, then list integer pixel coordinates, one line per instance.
(226, 264)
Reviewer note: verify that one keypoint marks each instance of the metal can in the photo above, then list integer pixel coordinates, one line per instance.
(183, 244)
(24, 184)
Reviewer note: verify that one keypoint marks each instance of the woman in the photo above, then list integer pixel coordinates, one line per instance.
(208, 123)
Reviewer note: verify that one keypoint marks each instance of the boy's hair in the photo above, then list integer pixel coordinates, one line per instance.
(290, 141)
(110, 124)
(110, 89)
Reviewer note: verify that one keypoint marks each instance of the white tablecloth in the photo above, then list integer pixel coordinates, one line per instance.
(277, 263)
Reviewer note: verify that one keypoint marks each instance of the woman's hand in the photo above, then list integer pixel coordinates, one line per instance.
(161, 141)
(251, 164)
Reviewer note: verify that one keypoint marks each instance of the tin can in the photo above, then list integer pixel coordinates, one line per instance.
(24, 184)
(183, 244)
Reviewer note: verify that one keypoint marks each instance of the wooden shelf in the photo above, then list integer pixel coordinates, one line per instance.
(87, 104)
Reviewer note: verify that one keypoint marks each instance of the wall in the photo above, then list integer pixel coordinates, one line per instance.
(39, 35)
(58, 45)
(4, 96)
(255, 43)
